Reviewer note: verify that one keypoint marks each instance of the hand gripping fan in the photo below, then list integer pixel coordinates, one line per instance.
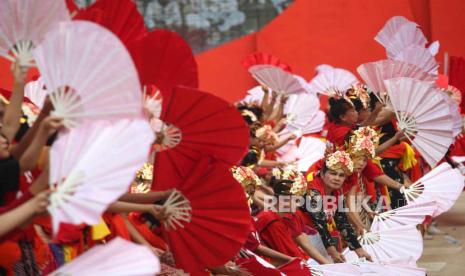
(423, 115)
(276, 79)
(412, 214)
(443, 184)
(220, 221)
(120, 17)
(400, 242)
(23, 24)
(332, 82)
(88, 73)
(36, 92)
(420, 57)
(163, 58)
(197, 123)
(118, 257)
(92, 166)
(375, 73)
(264, 59)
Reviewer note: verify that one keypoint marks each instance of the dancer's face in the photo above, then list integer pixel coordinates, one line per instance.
(360, 163)
(333, 179)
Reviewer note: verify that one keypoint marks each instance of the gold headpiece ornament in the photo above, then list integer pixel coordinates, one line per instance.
(340, 160)
(266, 133)
(363, 142)
(246, 177)
(299, 185)
(250, 114)
(359, 91)
(145, 173)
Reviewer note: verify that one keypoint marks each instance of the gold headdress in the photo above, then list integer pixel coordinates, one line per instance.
(363, 142)
(250, 114)
(359, 91)
(299, 185)
(340, 160)
(143, 175)
(266, 133)
(246, 177)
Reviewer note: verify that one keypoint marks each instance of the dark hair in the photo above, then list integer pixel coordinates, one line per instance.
(257, 111)
(251, 158)
(357, 104)
(281, 186)
(337, 108)
(373, 101)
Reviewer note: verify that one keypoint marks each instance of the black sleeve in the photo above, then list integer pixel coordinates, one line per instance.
(319, 217)
(9, 176)
(346, 230)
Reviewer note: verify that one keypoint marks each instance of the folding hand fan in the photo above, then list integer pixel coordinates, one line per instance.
(407, 35)
(304, 84)
(332, 82)
(36, 92)
(264, 59)
(204, 125)
(310, 150)
(389, 269)
(220, 220)
(276, 79)
(120, 17)
(300, 109)
(374, 74)
(419, 56)
(423, 115)
(88, 73)
(400, 242)
(254, 267)
(164, 59)
(23, 24)
(91, 166)
(412, 214)
(316, 124)
(323, 67)
(443, 184)
(454, 112)
(118, 257)
(254, 95)
(295, 267)
(335, 269)
(391, 27)
(288, 152)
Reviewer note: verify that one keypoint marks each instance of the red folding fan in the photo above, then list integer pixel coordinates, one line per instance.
(264, 59)
(205, 124)
(121, 17)
(164, 59)
(220, 221)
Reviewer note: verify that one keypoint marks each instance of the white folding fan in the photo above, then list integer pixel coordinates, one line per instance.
(423, 115)
(300, 109)
(332, 81)
(309, 151)
(374, 74)
(443, 184)
(23, 24)
(276, 79)
(94, 164)
(400, 242)
(118, 257)
(88, 73)
(391, 27)
(389, 269)
(407, 35)
(454, 112)
(254, 95)
(35, 91)
(288, 152)
(304, 84)
(412, 214)
(433, 48)
(340, 269)
(419, 56)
